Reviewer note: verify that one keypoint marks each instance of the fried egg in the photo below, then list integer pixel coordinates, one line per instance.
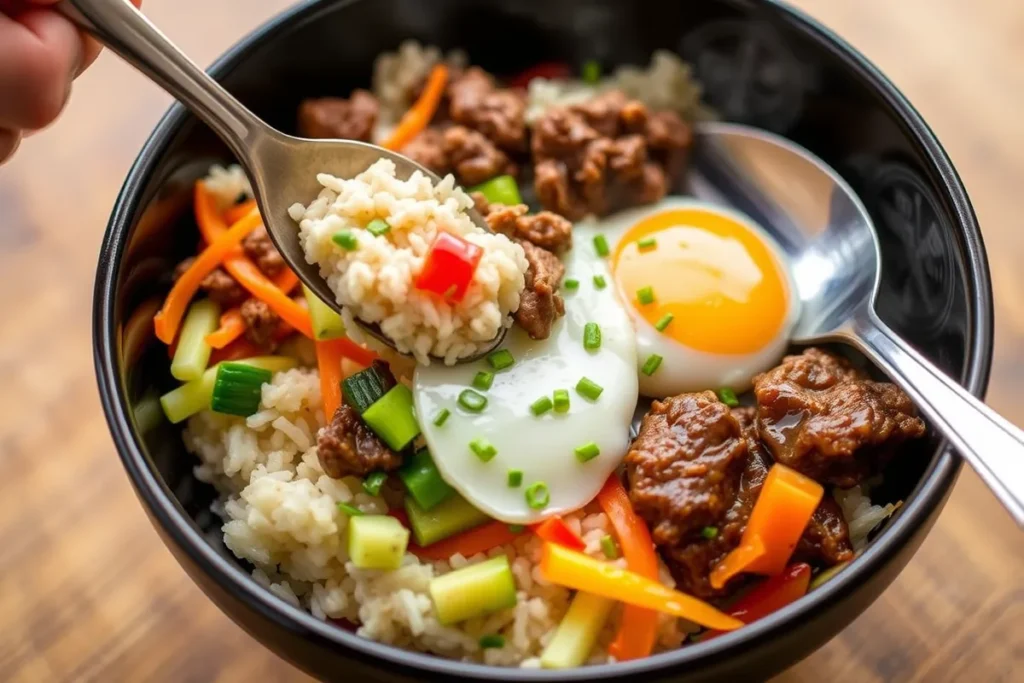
(543, 448)
(707, 290)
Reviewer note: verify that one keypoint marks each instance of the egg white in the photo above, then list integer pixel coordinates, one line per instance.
(685, 369)
(541, 447)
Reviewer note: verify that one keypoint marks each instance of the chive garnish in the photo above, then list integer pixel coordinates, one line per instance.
(373, 482)
(608, 547)
(591, 337)
(651, 364)
(501, 359)
(646, 243)
(537, 495)
(587, 451)
(601, 245)
(561, 400)
(472, 401)
(515, 478)
(483, 449)
(591, 72)
(378, 226)
(441, 417)
(571, 284)
(588, 388)
(483, 380)
(350, 510)
(709, 532)
(663, 322)
(492, 640)
(541, 406)
(599, 282)
(345, 239)
(728, 397)
(645, 295)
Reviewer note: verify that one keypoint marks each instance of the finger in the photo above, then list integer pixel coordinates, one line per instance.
(9, 141)
(40, 52)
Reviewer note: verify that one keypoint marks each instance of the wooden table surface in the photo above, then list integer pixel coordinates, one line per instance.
(87, 590)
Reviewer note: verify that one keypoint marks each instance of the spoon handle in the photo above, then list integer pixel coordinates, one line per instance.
(993, 446)
(126, 31)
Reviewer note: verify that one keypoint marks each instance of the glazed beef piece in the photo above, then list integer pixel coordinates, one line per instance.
(546, 230)
(347, 446)
(824, 418)
(261, 250)
(473, 157)
(540, 304)
(499, 114)
(218, 285)
(606, 154)
(261, 324)
(826, 540)
(351, 118)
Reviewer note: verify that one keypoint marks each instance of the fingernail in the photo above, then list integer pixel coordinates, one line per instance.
(10, 140)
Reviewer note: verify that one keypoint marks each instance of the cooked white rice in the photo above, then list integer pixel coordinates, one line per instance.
(861, 514)
(397, 74)
(375, 281)
(227, 185)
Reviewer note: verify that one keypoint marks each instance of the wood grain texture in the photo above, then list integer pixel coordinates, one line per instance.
(87, 590)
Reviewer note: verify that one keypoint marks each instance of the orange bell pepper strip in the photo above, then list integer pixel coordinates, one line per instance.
(555, 530)
(578, 571)
(638, 629)
(168, 319)
(328, 360)
(783, 508)
(468, 543)
(771, 595)
(235, 213)
(419, 115)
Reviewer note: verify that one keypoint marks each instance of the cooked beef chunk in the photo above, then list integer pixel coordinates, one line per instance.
(540, 304)
(606, 154)
(826, 539)
(819, 415)
(351, 118)
(473, 157)
(261, 323)
(546, 230)
(259, 247)
(347, 446)
(218, 285)
(427, 149)
(500, 114)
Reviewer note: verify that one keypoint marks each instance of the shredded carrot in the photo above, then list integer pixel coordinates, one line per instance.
(354, 352)
(639, 627)
(286, 280)
(328, 360)
(168, 319)
(232, 326)
(239, 211)
(468, 543)
(418, 117)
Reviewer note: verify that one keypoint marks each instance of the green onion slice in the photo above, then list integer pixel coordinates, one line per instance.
(373, 482)
(483, 380)
(537, 495)
(651, 364)
(601, 245)
(541, 406)
(350, 510)
(728, 397)
(588, 388)
(591, 336)
(663, 322)
(645, 295)
(483, 449)
(515, 478)
(441, 417)
(587, 451)
(345, 239)
(561, 400)
(501, 359)
(472, 401)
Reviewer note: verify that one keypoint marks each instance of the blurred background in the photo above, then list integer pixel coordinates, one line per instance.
(87, 590)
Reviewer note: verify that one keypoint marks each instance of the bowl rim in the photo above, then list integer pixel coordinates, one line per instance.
(153, 492)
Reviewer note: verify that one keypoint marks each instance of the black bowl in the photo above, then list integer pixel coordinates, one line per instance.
(762, 64)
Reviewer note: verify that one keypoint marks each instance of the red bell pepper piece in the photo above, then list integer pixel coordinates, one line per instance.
(557, 531)
(449, 266)
(770, 596)
(548, 70)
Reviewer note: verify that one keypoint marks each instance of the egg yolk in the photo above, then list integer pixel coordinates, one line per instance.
(724, 286)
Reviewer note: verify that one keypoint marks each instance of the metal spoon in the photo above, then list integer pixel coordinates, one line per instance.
(834, 250)
(281, 168)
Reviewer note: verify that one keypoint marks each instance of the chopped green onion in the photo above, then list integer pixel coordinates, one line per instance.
(728, 397)
(501, 359)
(483, 380)
(537, 495)
(601, 245)
(541, 406)
(591, 337)
(492, 640)
(373, 482)
(587, 451)
(515, 478)
(483, 449)
(350, 510)
(345, 239)
(571, 284)
(609, 548)
(516, 528)
(646, 243)
(191, 397)
(663, 322)
(599, 282)
(501, 190)
(709, 532)
(651, 364)
(591, 72)
(423, 480)
(237, 389)
(561, 401)
(472, 401)
(378, 227)
(441, 417)
(588, 388)
(364, 388)
(392, 418)
(645, 295)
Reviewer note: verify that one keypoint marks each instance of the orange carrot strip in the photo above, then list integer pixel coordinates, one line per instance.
(239, 211)
(236, 350)
(232, 326)
(286, 280)
(168, 319)
(418, 117)
(468, 543)
(328, 360)
(354, 352)
(639, 627)
(739, 560)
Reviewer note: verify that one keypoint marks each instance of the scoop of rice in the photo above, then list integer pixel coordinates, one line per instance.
(375, 281)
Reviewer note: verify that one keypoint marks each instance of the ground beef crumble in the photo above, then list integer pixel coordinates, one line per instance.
(347, 446)
(351, 118)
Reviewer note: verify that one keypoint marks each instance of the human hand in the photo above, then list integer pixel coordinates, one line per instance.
(41, 53)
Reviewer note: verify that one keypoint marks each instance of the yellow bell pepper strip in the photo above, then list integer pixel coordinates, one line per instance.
(638, 629)
(580, 572)
(418, 117)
